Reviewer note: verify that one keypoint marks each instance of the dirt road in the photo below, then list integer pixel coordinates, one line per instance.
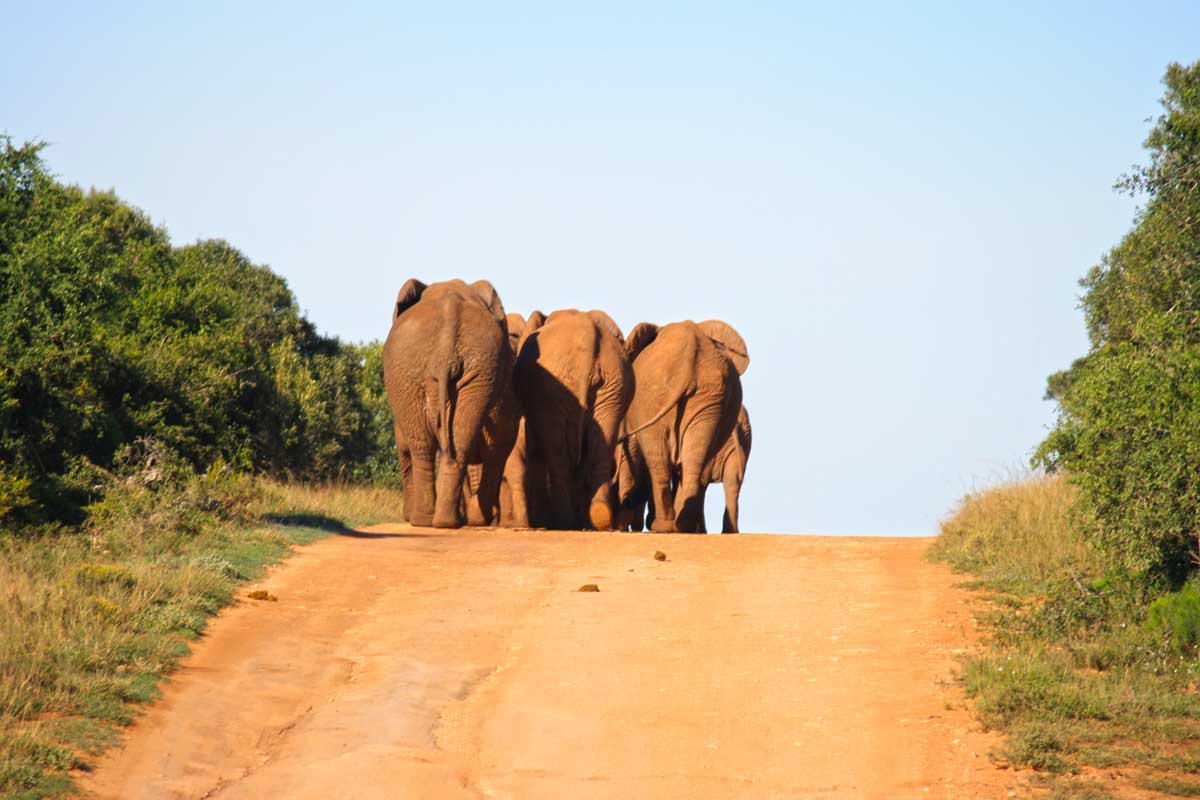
(408, 663)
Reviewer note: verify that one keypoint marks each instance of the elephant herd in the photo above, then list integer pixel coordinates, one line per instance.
(561, 421)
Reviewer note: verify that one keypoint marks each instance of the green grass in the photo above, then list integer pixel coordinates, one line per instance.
(1170, 786)
(1088, 670)
(91, 619)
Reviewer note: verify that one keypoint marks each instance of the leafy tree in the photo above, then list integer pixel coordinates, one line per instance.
(109, 335)
(1129, 411)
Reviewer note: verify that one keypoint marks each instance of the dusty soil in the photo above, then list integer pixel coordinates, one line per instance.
(403, 662)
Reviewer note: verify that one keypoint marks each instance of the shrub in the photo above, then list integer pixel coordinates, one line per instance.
(1129, 410)
(1176, 617)
(108, 335)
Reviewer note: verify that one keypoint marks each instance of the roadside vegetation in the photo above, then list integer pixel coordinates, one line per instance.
(92, 618)
(1091, 670)
(1092, 666)
(170, 424)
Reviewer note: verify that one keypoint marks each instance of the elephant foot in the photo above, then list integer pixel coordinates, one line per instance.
(663, 526)
(421, 520)
(475, 516)
(449, 520)
(600, 515)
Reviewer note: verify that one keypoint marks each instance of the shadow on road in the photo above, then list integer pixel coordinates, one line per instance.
(336, 526)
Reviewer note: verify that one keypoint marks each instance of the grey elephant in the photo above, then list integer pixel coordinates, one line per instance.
(685, 408)
(575, 383)
(447, 365)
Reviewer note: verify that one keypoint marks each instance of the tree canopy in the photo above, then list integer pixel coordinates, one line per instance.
(1128, 430)
(109, 334)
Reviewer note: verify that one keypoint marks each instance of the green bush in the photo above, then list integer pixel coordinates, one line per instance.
(1176, 617)
(1129, 411)
(109, 335)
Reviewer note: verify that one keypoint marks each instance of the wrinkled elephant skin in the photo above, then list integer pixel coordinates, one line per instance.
(447, 364)
(574, 378)
(689, 392)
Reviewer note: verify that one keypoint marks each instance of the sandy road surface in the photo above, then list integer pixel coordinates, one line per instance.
(408, 663)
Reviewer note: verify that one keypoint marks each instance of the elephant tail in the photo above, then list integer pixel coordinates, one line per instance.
(666, 408)
(440, 413)
(586, 394)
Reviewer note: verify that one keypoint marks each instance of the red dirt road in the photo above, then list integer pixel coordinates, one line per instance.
(410, 663)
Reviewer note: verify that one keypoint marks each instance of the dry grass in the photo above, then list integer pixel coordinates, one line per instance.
(91, 619)
(1018, 535)
(1073, 673)
(350, 504)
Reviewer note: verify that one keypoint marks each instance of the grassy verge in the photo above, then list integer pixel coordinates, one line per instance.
(92, 618)
(1092, 673)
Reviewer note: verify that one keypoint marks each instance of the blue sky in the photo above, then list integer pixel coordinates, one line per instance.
(893, 206)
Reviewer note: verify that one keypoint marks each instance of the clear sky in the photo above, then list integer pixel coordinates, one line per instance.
(893, 206)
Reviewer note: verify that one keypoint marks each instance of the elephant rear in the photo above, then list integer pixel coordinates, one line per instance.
(576, 384)
(446, 364)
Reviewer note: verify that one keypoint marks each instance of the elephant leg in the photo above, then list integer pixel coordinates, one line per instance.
(559, 472)
(730, 523)
(658, 465)
(694, 447)
(478, 512)
(447, 510)
(405, 459)
(627, 492)
(506, 506)
(470, 405)
(631, 516)
(733, 488)
(489, 487)
(515, 511)
(420, 495)
(700, 526)
(515, 477)
(637, 522)
(600, 469)
(536, 500)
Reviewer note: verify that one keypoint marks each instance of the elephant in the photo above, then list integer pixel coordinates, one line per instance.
(503, 437)
(514, 511)
(447, 365)
(685, 408)
(486, 461)
(575, 381)
(727, 467)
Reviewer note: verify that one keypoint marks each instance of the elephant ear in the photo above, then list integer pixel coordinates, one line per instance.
(516, 324)
(728, 341)
(491, 298)
(516, 329)
(410, 293)
(605, 323)
(642, 335)
(535, 321)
